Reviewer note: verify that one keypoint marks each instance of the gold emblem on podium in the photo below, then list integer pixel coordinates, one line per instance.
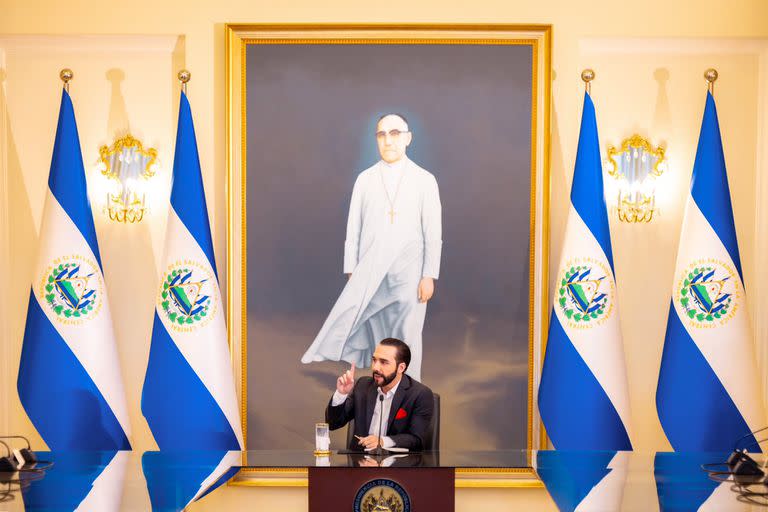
(382, 495)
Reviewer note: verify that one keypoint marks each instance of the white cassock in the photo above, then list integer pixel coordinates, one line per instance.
(387, 256)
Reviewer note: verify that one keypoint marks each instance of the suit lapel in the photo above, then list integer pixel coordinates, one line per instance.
(397, 400)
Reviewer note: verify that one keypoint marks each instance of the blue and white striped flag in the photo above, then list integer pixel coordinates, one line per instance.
(189, 393)
(69, 375)
(583, 395)
(708, 394)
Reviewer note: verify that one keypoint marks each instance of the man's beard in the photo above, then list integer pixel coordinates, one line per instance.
(387, 378)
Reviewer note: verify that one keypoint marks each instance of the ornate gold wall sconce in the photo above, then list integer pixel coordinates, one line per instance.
(635, 166)
(126, 168)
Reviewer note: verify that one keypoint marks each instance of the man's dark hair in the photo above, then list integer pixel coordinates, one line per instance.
(403, 354)
(401, 116)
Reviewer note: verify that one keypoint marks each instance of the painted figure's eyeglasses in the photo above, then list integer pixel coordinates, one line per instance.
(392, 133)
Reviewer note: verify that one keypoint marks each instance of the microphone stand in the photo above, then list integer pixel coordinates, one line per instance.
(379, 450)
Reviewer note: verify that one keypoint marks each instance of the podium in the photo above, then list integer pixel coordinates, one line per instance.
(407, 485)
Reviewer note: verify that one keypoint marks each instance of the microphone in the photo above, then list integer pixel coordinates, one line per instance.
(742, 464)
(27, 453)
(10, 473)
(31, 462)
(6, 464)
(739, 460)
(743, 468)
(381, 418)
(746, 465)
(7, 467)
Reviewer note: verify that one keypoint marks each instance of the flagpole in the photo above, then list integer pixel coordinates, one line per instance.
(66, 75)
(184, 77)
(711, 75)
(588, 75)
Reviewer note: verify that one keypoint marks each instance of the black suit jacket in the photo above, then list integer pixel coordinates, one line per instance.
(413, 397)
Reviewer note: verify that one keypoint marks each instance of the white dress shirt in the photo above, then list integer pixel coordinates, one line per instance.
(381, 407)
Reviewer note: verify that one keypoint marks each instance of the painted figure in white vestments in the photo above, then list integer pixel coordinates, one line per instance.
(391, 256)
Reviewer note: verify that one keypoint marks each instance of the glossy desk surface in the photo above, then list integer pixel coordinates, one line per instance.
(574, 480)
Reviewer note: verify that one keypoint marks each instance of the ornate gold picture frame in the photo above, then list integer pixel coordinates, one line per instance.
(539, 38)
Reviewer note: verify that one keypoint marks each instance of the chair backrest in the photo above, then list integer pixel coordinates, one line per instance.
(432, 440)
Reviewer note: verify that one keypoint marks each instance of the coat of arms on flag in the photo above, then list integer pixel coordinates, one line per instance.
(585, 296)
(186, 296)
(73, 289)
(708, 292)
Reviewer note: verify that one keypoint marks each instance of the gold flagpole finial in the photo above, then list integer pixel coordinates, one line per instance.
(184, 77)
(710, 76)
(588, 75)
(66, 75)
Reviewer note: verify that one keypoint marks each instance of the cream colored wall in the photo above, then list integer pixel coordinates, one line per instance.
(659, 93)
(5, 360)
(168, 35)
(121, 86)
(760, 306)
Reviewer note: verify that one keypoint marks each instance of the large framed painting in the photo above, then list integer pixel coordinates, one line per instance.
(388, 181)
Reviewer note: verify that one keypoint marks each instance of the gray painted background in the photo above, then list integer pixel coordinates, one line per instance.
(311, 113)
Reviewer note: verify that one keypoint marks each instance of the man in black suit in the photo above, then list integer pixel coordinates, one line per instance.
(404, 406)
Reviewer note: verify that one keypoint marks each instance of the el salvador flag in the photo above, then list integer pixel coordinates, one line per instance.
(708, 394)
(69, 374)
(189, 393)
(583, 396)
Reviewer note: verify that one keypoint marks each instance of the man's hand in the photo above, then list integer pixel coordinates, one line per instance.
(346, 382)
(426, 289)
(369, 442)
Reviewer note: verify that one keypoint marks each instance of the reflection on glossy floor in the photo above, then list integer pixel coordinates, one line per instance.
(590, 481)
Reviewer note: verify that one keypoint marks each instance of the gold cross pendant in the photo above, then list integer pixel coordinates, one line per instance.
(391, 216)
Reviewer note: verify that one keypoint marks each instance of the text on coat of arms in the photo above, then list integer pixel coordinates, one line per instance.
(585, 293)
(708, 292)
(187, 296)
(72, 288)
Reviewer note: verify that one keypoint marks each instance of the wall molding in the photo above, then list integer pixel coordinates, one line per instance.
(90, 44)
(5, 331)
(759, 320)
(672, 46)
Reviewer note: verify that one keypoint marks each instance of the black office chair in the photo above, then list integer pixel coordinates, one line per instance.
(432, 440)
